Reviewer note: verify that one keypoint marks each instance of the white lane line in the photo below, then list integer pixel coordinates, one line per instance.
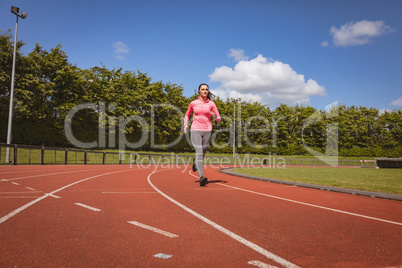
(50, 174)
(88, 207)
(236, 237)
(261, 264)
(28, 197)
(54, 196)
(163, 256)
(18, 210)
(24, 171)
(315, 206)
(29, 188)
(30, 192)
(4, 180)
(156, 230)
(15, 183)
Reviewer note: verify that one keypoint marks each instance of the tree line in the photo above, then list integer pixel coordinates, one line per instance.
(127, 109)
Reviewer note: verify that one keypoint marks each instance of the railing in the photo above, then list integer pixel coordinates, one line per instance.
(368, 163)
(36, 155)
(26, 154)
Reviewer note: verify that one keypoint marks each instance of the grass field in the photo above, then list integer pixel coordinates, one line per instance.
(365, 179)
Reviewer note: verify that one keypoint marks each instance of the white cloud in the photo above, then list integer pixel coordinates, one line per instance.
(397, 102)
(120, 57)
(324, 43)
(265, 80)
(382, 111)
(120, 48)
(237, 54)
(358, 33)
(232, 94)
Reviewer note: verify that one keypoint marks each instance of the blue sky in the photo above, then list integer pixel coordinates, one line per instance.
(307, 52)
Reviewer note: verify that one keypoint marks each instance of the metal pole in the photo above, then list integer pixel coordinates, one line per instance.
(10, 113)
(234, 133)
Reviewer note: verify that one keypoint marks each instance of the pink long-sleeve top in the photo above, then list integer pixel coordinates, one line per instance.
(202, 114)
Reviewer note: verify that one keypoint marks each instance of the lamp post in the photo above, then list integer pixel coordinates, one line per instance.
(234, 133)
(234, 129)
(22, 15)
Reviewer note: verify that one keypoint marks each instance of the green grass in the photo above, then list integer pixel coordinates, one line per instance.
(365, 179)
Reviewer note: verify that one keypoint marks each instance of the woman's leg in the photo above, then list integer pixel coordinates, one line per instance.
(200, 140)
(206, 139)
(196, 139)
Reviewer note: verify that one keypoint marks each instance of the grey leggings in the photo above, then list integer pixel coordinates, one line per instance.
(200, 140)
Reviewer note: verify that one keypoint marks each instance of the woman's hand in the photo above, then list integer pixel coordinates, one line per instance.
(213, 115)
(185, 129)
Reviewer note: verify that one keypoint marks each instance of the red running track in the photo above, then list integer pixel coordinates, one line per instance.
(100, 216)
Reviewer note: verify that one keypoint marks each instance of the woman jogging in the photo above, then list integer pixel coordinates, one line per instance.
(204, 108)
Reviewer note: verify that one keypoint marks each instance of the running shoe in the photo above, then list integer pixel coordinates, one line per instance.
(194, 166)
(203, 181)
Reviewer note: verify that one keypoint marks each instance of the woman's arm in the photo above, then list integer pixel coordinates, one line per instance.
(187, 117)
(215, 113)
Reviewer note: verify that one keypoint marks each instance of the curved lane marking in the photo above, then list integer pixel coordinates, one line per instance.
(24, 171)
(18, 210)
(312, 205)
(236, 237)
(50, 174)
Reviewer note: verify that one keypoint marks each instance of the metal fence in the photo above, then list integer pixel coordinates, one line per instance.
(36, 155)
(368, 163)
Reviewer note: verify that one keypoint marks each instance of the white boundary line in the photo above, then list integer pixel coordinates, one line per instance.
(312, 205)
(19, 197)
(163, 256)
(153, 229)
(30, 192)
(236, 237)
(50, 174)
(88, 207)
(18, 210)
(24, 171)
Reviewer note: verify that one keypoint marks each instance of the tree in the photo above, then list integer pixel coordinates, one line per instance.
(126, 106)
(389, 133)
(47, 86)
(6, 61)
(256, 125)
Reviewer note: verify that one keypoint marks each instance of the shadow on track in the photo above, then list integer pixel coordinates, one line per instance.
(212, 181)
